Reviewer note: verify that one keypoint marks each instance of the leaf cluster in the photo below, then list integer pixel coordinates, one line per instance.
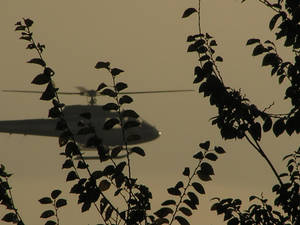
(185, 194)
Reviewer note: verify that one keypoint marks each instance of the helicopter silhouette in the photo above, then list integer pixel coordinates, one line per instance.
(142, 133)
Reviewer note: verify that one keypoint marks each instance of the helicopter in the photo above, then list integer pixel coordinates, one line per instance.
(142, 133)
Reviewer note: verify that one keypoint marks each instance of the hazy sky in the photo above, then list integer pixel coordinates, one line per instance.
(147, 40)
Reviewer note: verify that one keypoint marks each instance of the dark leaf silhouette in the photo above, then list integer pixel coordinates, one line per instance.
(252, 41)
(219, 150)
(198, 187)
(182, 220)
(41, 79)
(10, 217)
(110, 123)
(188, 12)
(50, 222)
(28, 22)
(72, 176)
(45, 200)
(116, 71)
(186, 171)
(168, 202)
(55, 194)
(129, 113)
(211, 156)
(173, 191)
(47, 214)
(110, 106)
(101, 86)
(138, 151)
(163, 212)
(185, 211)
(37, 61)
(278, 127)
(125, 99)
(101, 65)
(104, 185)
(205, 145)
(61, 202)
(259, 49)
(121, 86)
(267, 124)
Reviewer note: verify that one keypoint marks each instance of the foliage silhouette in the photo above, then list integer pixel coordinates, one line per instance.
(237, 118)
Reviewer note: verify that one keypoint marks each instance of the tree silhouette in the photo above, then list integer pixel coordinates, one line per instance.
(237, 118)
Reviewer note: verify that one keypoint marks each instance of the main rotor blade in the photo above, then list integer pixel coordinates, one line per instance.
(40, 92)
(154, 92)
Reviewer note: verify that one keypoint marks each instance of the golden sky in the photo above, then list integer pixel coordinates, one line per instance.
(147, 40)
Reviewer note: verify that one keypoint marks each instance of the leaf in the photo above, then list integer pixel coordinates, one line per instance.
(45, 200)
(185, 211)
(121, 86)
(255, 131)
(278, 127)
(259, 49)
(213, 43)
(205, 145)
(101, 65)
(125, 99)
(104, 185)
(116, 71)
(61, 202)
(193, 198)
(47, 214)
(252, 41)
(188, 12)
(198, 187)
(110, 106)
(270, 59)
(108, 213)
(207, 168)
(219, 150)
(190, 204)
(10, 217)
(97, 174)
(115, 151)
(219, 59)
(110, 123)
(273, 21)
(233, 221)
(186, 171)
(168, 202)
(173, 191)
(198, 155)
(41, 79)
(50, 222)
(82, 165)
(138, 151)
(109, 92)
(72, 176)
(129, 113)
(86, 206)
(182, 220)
(163, 212)
(67, 164)
(211, 156)
(21, 27)
(101, 86)
(267, 124)
(28, 22)
(49, 93)
(38, 61)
